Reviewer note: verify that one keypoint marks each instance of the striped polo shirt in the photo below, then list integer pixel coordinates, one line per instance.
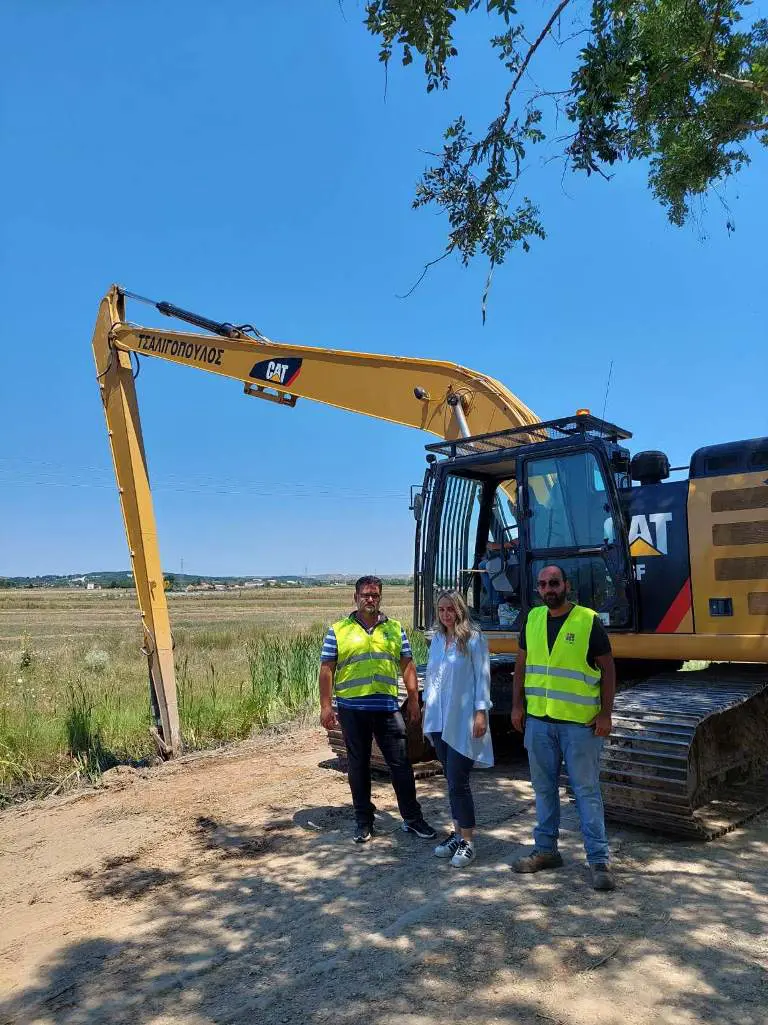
(371, 702)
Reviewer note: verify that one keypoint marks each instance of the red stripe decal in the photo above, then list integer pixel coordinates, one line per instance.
(676, 612)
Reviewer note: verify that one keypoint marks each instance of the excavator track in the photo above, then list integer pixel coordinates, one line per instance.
(688, 754)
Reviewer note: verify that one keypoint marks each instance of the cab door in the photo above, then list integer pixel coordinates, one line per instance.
(571, 515)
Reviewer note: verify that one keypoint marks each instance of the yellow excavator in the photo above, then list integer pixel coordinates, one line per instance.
(677, 570)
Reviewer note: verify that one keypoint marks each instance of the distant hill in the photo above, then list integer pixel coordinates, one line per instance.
(180, 581)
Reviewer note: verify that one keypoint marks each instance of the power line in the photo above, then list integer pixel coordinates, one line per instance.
(103, 478)
(263, 490)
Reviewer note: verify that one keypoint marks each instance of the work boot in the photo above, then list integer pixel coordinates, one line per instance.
(602, 879)
(537, 862)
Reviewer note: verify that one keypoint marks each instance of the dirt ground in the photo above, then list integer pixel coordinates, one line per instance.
(224, 888)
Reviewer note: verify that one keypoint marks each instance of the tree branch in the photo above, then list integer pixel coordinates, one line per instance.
(748, 127)
(715, 24)
(423, 274)
(531, 51)
(743, 83)
(562, 40)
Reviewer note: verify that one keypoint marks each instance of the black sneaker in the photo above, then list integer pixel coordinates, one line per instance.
(420, 827)
(363, 833)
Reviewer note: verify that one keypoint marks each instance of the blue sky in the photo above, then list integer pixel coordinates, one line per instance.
(240, 159)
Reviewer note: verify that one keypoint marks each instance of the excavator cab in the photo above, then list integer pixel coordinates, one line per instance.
(498, 507)
(687, 750)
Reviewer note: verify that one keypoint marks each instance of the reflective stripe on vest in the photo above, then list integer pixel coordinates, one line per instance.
(367, 663)
(561, 684)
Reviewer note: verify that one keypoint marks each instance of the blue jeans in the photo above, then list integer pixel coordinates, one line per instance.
(549, 744)
(457, 768)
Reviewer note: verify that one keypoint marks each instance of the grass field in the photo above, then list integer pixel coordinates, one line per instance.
(74, 695)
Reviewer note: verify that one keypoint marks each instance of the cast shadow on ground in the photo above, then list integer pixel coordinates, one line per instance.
(278, 925)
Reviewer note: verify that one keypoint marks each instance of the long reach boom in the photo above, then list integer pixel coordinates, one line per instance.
(442, 398)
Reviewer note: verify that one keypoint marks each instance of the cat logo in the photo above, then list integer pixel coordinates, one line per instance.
(279, 372)
(570, 638)
(648, 534)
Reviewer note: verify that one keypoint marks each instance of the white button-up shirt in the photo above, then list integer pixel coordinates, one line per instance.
(458, 685)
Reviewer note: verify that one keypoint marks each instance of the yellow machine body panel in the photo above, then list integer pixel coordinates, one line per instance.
(728, 539)
(379, 386)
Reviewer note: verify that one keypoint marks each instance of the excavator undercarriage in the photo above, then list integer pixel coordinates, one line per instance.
(688, 754)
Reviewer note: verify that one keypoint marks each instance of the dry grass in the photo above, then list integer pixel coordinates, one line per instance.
(73, 683)
(48, 616)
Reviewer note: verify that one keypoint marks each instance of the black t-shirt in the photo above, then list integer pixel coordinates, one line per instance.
(599, 641)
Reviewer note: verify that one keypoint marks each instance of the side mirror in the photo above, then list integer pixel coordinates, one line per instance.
(417, 506)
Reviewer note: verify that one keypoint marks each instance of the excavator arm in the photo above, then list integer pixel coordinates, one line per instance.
(442, 398)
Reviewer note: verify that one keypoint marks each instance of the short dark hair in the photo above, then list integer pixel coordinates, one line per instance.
(376, 581)
(555, 565)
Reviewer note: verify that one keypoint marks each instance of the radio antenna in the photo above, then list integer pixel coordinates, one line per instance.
(607, 388)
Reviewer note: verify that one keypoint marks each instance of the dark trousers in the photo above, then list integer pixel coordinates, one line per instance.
(359, 728)
(457, 768)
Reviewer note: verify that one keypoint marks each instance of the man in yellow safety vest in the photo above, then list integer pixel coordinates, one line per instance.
(563, 691)
(359, 665)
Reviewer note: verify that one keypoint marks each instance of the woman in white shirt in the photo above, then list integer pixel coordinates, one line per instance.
(457, 701)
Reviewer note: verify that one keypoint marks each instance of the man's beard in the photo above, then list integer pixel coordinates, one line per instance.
(554, 601)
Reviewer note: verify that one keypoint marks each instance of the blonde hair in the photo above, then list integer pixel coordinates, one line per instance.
(463, 627)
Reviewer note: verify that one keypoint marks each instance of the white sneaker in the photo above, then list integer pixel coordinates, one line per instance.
(448, 847)
(465, 854)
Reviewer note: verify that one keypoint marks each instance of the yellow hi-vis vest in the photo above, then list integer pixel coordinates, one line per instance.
(367, 663)
(561, 684)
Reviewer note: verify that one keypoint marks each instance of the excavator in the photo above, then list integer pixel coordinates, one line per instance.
(677, 570)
